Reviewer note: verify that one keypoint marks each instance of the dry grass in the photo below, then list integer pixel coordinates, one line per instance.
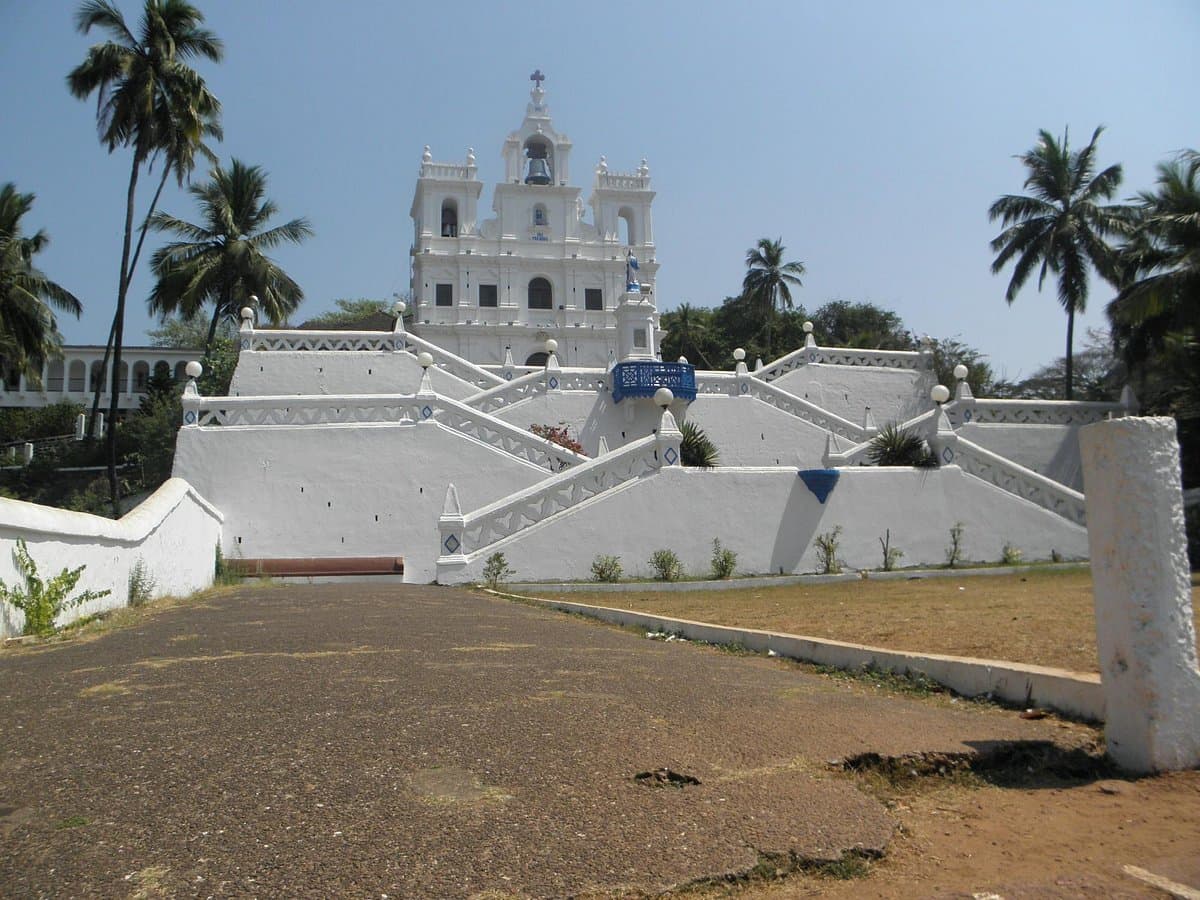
(1043, 617)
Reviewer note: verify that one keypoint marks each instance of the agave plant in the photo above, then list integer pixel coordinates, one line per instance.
(896, 446)
(696, 449)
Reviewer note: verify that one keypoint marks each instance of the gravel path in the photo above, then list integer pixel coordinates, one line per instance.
(414, 741)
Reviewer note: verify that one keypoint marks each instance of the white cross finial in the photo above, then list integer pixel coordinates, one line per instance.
(538, 77)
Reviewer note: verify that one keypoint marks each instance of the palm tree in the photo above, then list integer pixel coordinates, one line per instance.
(768, 280)
(150, 100)
(28, 331)
(1059, 226)
(222, 261)
(689, 327)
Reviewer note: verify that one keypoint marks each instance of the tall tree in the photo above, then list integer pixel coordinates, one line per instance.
(28, 330)
(222, 261)
(150, 100)
(1060, 226)
(687, 333)
(769, 279)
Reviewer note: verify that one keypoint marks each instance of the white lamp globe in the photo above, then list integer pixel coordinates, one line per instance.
(683, 360)
(401, 306)
(808, 327)
(551, 345)
(739, 354)
(247, 313)
(425, 359)
(663, 397)
(939, 393)
(194, 369)
(960, 371)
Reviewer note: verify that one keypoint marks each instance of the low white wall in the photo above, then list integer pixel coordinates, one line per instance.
(748, 432)
(893, 394)
(174, 533)
(281, 372)
(1050, 450)
(769, 517)
(343, 490)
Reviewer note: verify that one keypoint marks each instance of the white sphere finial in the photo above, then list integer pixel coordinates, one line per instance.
(194, 369)
(939, 393)
(425, 359)
(247, 313)
(960, 371)
(551, 345)
(427, 156)
(400, 307)
(739, 354)
(663, 397)
(470, 156)
(808, 326)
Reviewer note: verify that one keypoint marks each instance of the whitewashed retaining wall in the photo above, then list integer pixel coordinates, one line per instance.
(174, 532)
(274, 372)
(342, 490)
(1050, 450)
(893, 394)
(769, 517)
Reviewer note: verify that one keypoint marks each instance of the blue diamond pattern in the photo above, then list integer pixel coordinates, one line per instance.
(426, 412)
(948, 455)
(553, 383)
(508, 376)
(670, 456)
(451, 544)
(745, 388)
(966, 415)
(246, 344)
(190, 417)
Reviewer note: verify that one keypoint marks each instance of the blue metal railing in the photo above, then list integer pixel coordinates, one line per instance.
(643, 378)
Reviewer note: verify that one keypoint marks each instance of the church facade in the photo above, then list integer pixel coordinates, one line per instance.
(541, 267)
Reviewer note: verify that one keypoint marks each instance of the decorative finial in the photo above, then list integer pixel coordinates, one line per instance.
(643, 169)
(470, 156)
(426, 157)
(603, 167)
(538, 77)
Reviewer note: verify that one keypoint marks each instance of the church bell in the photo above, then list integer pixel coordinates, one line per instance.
(539, 172)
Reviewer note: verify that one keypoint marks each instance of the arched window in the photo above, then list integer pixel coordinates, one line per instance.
(539, 166)
(141, 376)
(626, 228)
(537, 359)
(539, 215)
(449, 218)
(77, 376)
(541, 296)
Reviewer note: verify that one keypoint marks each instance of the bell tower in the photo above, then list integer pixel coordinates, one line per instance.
(536, 154)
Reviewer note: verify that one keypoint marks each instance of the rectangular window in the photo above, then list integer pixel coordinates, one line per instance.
(445, 295)
(593, 298)
(639, 338)
(487, 295)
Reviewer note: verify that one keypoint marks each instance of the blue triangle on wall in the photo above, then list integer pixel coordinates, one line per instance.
(819, 481)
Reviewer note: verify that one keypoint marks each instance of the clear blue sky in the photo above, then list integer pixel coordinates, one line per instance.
(870, 136)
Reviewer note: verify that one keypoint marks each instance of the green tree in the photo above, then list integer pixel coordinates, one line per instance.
(769, 280)
(150, 100)
(688, 335)
(362, 314)
(1060, 226)
(223, 261)
(28, 330)
(842, 323)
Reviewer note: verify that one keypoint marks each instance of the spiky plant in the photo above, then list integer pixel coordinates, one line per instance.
(896, 446)
(696, 449)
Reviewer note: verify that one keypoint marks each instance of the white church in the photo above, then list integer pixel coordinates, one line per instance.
(409, 452)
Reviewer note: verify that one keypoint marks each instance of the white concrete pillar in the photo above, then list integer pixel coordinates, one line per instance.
(1144, 627)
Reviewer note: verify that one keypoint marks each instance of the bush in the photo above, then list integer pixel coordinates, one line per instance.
(42, 601)
(954, 553)
(1010, 554)
(557, 434)
(495, 570)
(141, 584)
(724, 561)
(895, 446)
(666, 565)
(606, 568)
(891, 555)
(695, 448)
(827, 549)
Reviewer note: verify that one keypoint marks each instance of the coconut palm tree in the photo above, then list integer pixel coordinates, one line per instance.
(1060, 226)
(769, 279)
(223, 260)
(28, 331)
(148, 99)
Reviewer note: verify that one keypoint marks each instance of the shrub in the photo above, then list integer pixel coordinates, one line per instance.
(827, 549)
(141, 584)
(557, 434)
(1010, 554)
(42, 601)
(895, 446)
(695, 448)
(606, 568)
(223, 573)
(724, 561)
(954, 553)
(891, 555)
(666, 565)
(495, 570)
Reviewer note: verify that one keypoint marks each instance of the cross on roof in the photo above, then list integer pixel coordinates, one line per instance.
(538, 77)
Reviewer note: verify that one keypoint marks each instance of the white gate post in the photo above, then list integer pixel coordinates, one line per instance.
(1144, 627)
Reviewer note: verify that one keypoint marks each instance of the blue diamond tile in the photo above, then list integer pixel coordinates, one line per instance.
(426, 412)
(948, 455)
(670, 456)
(190, 417)
(553, 383)
(246, 344)
(451, 544)
(966, 415)
(745, 388)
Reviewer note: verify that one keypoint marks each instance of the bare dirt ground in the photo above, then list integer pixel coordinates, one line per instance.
(1042, 617)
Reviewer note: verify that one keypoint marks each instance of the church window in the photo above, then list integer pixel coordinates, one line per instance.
(449, 218)
(537, 359)
(639, 338)
(540, 294)
(593, 298)
(488, 294)
(539, 215)
(627, 232)
(445, 295)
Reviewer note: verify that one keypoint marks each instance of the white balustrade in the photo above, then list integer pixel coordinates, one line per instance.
(1016, 479)
(1030, 412)
(619, 181)
(509, 392)
(303, 339)
(453, 364)
(847, 356)
(803, 409)
(503, 436)
(447, 170)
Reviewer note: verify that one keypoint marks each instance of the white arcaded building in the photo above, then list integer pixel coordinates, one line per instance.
(538, 269)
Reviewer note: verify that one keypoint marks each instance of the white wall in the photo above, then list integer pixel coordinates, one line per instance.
(174, 532)
(748, 432)
(590, 416)
(341, 490)
(893, 394)
(769, 517)
(282, 372)
(1050, 450)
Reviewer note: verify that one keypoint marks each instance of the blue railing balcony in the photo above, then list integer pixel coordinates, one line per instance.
(642, 378)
